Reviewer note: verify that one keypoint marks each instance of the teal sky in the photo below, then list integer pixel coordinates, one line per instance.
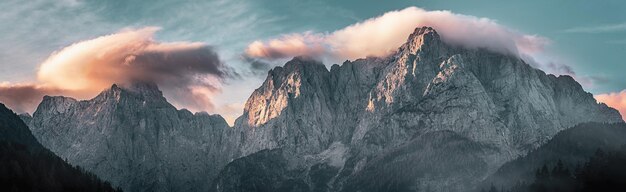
(588, 36)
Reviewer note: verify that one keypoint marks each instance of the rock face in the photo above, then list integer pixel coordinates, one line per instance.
(432, 117)
(131, 136)
(430, 103)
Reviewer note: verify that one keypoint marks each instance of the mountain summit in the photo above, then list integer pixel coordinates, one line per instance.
(430, 116)
(131, 136)
(408, 119)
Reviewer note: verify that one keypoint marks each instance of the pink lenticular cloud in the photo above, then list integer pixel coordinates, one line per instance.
(85, 68)
(382, 35)
(615, 100)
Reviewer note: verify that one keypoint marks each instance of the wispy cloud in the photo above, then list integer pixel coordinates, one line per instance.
(552, 66)
(31, 31)
(598, 29)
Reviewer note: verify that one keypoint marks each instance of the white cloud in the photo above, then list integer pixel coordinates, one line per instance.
(382, 35)
(598, 29)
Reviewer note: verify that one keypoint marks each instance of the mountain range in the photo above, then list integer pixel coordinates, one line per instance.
(432, 116)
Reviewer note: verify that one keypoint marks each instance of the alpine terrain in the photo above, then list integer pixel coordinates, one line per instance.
(433, 116)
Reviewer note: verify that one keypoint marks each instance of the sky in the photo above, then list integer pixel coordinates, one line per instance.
(211, 55)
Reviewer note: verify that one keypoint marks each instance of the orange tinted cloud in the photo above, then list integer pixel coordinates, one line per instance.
(382, 35)
(23, 98)
(615, 100)
(85, 68)
(288, 45)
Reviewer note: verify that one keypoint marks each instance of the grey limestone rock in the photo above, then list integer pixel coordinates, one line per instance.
(410, 118)
(375, 106)
(131, 136)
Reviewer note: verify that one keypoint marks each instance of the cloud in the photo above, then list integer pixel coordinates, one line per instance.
(382, 35)
(615, 100)
(27, 41)
(131, 55)
(224, 24)
(598, 29)
(23, 98)
(559, 68)
(257, 66)
(288, 45)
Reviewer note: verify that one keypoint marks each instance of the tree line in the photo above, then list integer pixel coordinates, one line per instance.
(604, 171)
(24, 168)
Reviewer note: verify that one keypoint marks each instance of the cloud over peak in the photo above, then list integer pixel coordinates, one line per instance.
(380, 36)
(189, 73)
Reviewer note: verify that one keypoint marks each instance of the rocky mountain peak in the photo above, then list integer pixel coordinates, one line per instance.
(138, 91)
(301, 65)
(146, 89)
(303, 60)
(129, 131)
(421, 36)
(56, 103)
(421, 32)
(284, 85)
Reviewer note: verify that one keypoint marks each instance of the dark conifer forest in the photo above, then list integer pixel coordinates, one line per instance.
(603, 172)
(588, 157)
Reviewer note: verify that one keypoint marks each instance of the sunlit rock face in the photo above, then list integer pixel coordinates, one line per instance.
(131, 136)
(303, 108)
(486, 107)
